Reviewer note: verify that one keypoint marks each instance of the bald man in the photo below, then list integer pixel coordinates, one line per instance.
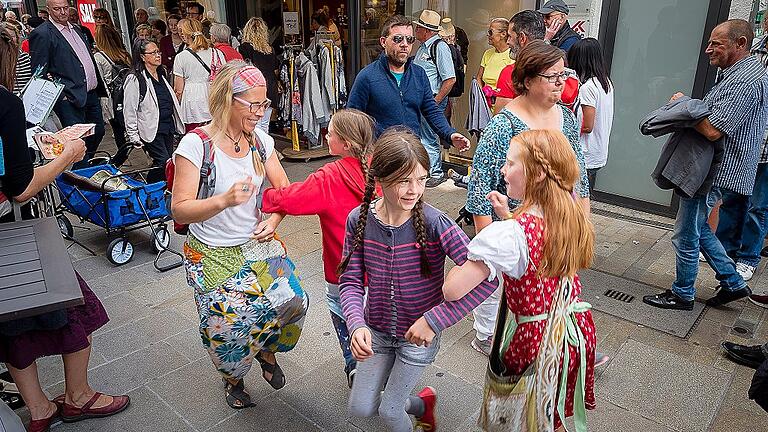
(738, 103)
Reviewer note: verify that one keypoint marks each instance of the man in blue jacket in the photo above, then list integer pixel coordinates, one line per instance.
(62, 52)
(394, 91)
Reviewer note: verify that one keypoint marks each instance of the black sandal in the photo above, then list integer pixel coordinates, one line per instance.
(237, 397)
(278, 378)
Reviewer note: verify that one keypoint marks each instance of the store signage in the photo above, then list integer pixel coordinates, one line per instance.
(85, 10)
(580, 24)
(291, 23)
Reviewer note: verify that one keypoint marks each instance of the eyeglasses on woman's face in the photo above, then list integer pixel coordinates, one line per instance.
(554, 78)
(151, 53)
(255, 107)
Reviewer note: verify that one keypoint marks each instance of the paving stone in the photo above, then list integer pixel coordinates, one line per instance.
(326, 408)
(122, 309)
(197, 393)
(136, 369)
(138, 334)
(269, 414)
(682, 395)
(147, 413)
(188, 343)
(608, 417)
(462, 360)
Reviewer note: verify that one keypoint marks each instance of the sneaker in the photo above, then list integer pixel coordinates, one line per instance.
(764, 252)
(724, 296)
(601, 359)
(482, 346)
(701, 257)
(434, 181)
(427, 421)
(458, 179)
(745, 270)
(351, 376)
(759, 300)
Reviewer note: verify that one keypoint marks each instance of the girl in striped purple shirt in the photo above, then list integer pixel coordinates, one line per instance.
(397, 245)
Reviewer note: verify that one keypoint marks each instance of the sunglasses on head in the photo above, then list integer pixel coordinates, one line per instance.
(399, 39)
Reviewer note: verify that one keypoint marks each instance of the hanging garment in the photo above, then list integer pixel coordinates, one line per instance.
(313, 112)
(479, 112)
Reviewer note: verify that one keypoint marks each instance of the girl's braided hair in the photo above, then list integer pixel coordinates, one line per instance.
(356, 128)
(551, 173)
(395, 155)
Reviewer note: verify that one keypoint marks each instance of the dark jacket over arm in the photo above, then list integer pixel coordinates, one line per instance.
(688, 162)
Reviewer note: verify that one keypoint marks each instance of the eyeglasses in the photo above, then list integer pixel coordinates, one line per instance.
(255, 106)
(152, 53)
(552, 79)
(399, 39)
(491, 31)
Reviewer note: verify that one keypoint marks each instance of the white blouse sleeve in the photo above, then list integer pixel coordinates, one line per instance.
(503, 247)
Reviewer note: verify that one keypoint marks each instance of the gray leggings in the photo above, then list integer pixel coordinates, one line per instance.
(395, 368)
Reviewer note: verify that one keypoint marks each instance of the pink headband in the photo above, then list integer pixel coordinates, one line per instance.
(246, 79)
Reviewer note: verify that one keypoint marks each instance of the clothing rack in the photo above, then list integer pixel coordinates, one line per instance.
(289, 50)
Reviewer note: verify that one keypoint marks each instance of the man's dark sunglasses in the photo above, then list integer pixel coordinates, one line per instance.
(399, 39)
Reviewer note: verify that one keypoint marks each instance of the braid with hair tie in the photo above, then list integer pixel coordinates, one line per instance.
(421, 237)
(370, 188)
(548, 170)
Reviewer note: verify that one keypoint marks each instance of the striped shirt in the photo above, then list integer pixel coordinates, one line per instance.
(398, 295)
(23, 72)
(739, 106)
(761, 51)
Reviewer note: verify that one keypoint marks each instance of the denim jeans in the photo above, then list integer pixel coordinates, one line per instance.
(732, 214)
(333, 299)
(431, 142)
(69, 114)
(756, 220)
(692, 233)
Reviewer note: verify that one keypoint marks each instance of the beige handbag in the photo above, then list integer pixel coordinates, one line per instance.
(527, 402)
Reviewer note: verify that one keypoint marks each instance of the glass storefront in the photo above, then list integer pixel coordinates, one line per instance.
(645, 77)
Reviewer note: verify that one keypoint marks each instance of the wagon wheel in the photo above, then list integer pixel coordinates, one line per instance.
(162, 239)
(119, 251)
(65, 226)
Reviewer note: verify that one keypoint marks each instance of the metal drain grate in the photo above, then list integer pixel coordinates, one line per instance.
(620, 296)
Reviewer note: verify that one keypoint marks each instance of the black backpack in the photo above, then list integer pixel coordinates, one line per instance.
(458, 66)
(117, 91)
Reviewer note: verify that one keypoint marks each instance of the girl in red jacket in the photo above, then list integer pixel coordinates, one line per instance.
(331, 193)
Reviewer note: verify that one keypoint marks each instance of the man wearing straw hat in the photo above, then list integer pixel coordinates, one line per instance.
(438, 64)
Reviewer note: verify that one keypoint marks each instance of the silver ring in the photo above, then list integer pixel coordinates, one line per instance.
(245, 188)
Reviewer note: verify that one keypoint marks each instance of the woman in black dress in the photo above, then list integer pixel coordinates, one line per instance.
(66, 332)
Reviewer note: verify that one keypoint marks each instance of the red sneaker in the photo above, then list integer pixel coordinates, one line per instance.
(427, 422)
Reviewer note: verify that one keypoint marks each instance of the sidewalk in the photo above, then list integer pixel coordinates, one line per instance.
(151, 349)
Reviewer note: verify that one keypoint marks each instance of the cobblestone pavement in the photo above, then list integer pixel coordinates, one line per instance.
(151, 350)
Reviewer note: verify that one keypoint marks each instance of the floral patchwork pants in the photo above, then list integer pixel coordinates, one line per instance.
(249, 300)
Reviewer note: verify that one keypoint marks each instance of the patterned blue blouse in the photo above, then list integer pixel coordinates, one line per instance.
(491, 154)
